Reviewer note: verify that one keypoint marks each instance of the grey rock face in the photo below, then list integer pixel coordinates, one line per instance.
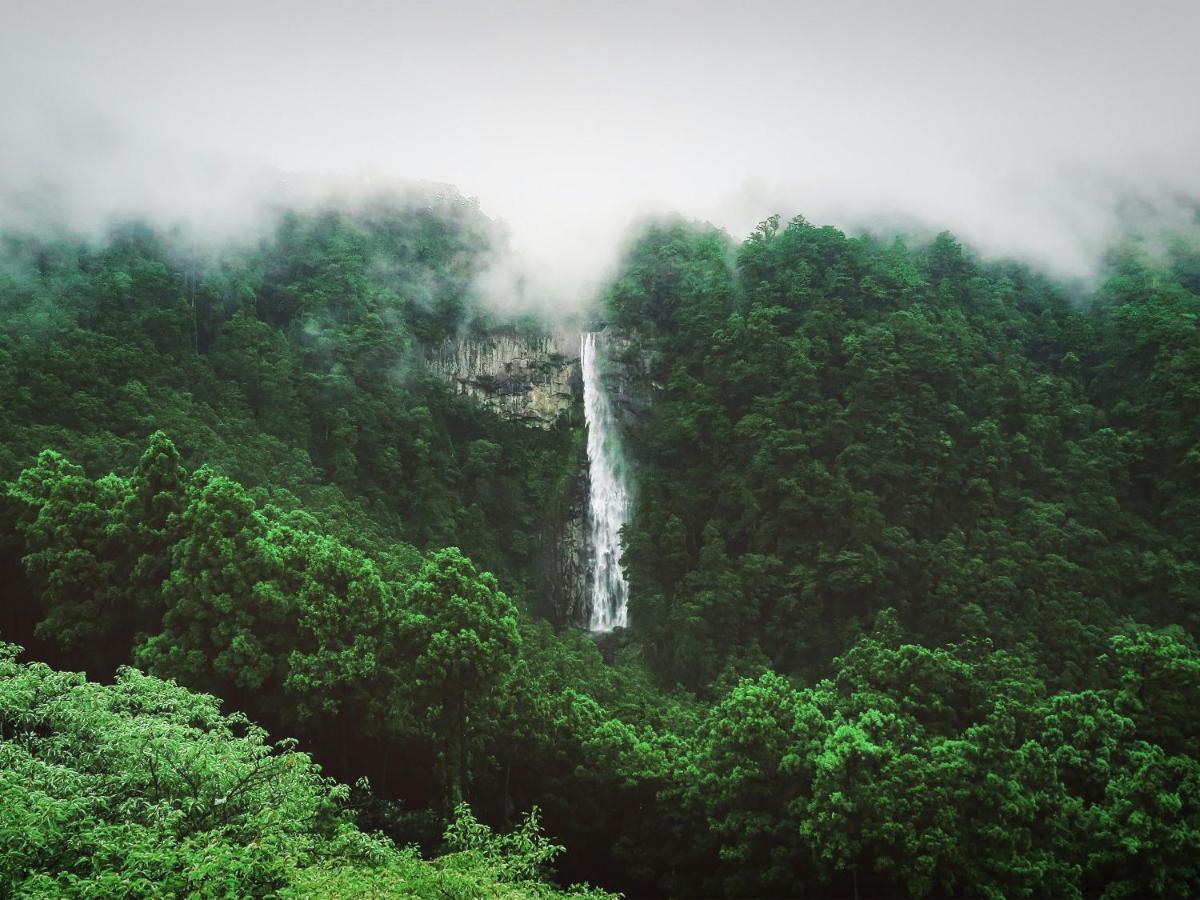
(567, 565)
(523, 376)
(626, 376)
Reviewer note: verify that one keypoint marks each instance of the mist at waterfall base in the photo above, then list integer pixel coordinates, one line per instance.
(608, 498)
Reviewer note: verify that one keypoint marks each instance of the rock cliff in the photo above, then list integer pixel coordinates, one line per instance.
(626, 375)
(523, 376)
(566, 565)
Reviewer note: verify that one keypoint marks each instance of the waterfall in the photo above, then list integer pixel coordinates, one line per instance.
(608, 500)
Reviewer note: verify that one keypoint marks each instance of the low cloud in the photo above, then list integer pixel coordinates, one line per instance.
(1034, 130)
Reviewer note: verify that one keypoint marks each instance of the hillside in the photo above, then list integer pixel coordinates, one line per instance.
(912, 556)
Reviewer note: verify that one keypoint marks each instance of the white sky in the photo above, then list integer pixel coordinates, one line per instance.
(1013, 124)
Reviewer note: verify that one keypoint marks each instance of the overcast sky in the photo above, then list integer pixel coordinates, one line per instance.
(1016, 125)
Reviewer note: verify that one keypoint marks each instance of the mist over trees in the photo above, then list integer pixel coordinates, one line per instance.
(913, 569)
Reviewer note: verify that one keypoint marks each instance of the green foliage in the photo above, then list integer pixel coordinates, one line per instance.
(99, 548)
(523, 854)
(464, 639)
(841, 425)
(144, 789)
(925, 771)
(293, 365)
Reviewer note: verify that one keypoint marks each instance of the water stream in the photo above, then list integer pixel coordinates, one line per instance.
(608, 499)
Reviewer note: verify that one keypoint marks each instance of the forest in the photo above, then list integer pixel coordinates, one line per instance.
(913, 561)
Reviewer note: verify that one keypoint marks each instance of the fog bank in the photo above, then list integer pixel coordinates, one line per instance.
(1020, 126)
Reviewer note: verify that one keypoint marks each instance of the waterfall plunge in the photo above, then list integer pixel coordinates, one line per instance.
(608, 500)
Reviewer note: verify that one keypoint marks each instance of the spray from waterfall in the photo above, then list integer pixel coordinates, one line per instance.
(608, 500)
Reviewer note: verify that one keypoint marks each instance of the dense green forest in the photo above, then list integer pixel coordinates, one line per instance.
(143, 788)
(914, 573)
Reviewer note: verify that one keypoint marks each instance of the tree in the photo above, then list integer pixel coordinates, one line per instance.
(463, 637)
(338, 680)
(227, 626)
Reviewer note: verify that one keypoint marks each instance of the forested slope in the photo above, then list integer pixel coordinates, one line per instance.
(913, 561)
(845, 425)
(292, 364)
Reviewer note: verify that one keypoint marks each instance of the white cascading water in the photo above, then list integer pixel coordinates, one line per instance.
(608, 500)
